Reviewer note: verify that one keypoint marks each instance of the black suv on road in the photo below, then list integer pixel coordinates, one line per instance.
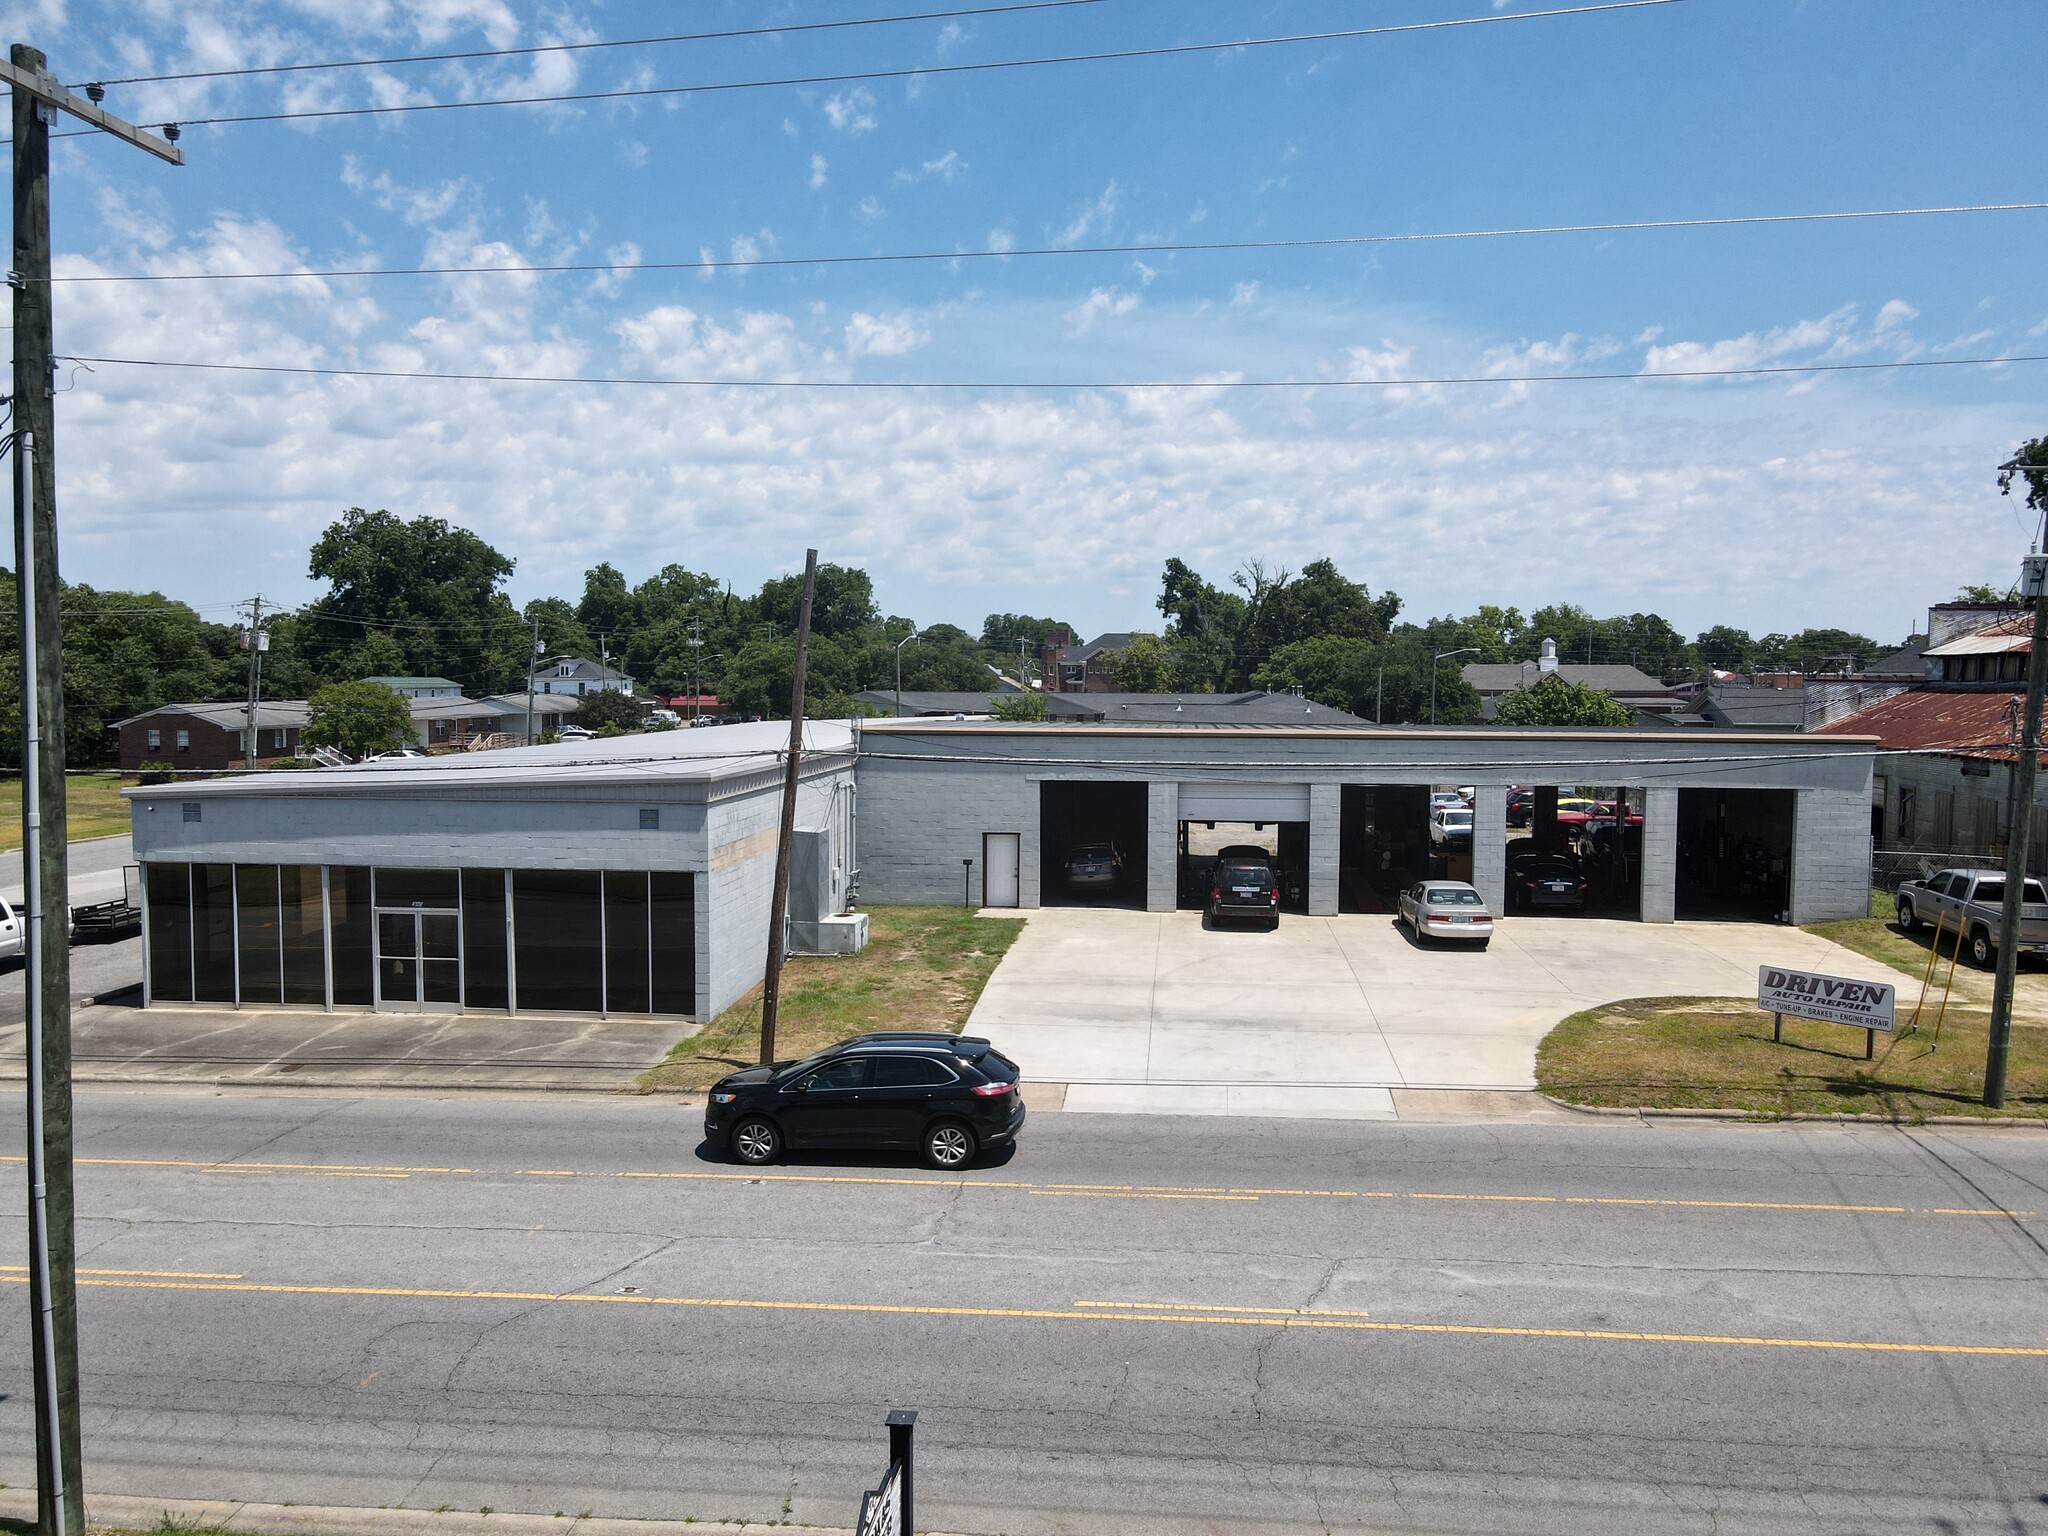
(948, 1096)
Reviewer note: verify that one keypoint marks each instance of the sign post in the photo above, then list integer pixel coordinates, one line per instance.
(1866, 1005)
(889, 1508)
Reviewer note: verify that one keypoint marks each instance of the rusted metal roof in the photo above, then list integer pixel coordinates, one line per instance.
(1973, 724)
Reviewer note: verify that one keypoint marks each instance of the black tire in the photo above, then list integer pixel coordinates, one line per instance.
(948, 1145)
(1983, 953)
(1482, 945)
(1909, 920)
(755, 1141)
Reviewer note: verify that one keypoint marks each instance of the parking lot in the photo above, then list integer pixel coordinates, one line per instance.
(1325, 1016)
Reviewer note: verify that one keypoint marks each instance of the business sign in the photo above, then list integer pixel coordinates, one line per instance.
(881, 1509)
(1830, 999)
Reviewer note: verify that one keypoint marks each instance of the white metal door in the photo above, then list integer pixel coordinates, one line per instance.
(1002, 865)
(1212, 800)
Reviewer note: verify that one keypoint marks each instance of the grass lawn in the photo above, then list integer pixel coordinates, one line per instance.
(92, 801)
(1717, 1053)
(924, 967)
(1878, 937)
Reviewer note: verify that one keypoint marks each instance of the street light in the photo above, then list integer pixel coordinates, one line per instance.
(899, 670)
(1443, 656)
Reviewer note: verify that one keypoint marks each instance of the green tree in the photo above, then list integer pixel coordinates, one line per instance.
(1727, 648)
(842, 603)
(1017, 706)
(1386, 680)
(1002, 631)
(358, 719)
(1203, 629)
(759, 678)
(608, 706)
(1983, 592)
(607, 605)
(2030, 465)
(420, 597)
(1142, 666)
(561, 631)
(1553, 701)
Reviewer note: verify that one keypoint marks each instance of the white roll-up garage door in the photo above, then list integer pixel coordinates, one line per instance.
(1211, 801)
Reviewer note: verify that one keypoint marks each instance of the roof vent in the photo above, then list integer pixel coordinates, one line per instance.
(1547, 662)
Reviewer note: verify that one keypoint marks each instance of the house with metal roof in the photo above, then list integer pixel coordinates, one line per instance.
(578, 675)
(420, 687)
(1625, 684)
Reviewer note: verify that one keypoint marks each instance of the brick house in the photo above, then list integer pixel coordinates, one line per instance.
(1070, 667)
(209, 736)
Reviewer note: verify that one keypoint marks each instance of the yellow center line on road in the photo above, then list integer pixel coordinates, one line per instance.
(1032, 1187)
(1134, 1194)
(1164, 1314)
(1200, 1306)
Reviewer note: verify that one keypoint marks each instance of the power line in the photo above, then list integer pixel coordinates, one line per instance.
(623, 42)
(1147, 248)
(1760, 371)
(852, 76)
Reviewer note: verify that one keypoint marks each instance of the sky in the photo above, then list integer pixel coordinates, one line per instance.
(1057, 482)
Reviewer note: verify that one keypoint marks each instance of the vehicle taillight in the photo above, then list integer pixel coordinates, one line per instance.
(1274, 896)
(1215, 893)
(990, 1090)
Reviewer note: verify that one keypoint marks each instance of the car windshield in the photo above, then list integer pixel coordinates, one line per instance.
(1093, 851)
(798, 1068)
(1453, 898)
(1244, 869)
(1457, 818)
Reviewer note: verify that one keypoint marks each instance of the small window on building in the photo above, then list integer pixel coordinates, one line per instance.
(650, 819)
(156, 740)
(184, 741)
(277, 739)
(190, 808)
(565, 670)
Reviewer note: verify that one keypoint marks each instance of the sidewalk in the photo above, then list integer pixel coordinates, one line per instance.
(115, 1043)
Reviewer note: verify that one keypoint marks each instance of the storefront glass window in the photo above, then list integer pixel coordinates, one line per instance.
(483, 939)
(557, 927)
(170, 932)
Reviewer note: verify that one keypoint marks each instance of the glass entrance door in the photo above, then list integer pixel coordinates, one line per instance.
(419, 961)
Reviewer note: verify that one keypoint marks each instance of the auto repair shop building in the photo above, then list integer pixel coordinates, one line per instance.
(1733, 825)
(622, 876)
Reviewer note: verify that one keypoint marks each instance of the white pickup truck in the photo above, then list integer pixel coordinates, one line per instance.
(1969, 902)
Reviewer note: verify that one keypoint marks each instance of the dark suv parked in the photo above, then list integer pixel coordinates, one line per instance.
(947, 1096)
(1242, 887)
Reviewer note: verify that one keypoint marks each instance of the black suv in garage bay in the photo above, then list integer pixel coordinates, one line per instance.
(1244, 887)
(948, 1097)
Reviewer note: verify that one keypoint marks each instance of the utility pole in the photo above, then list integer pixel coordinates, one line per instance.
(532, 659)
(2033, 464)
(696, 665)
(257, 640)
(1379, 696)
(778, 906)
(52, 1268)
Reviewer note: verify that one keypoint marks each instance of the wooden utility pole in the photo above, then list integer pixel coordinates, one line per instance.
(778, 905)
(52, 1271)
(255, 671)
(2034, 584)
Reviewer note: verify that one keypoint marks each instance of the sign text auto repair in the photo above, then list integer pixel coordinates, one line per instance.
(1830, 999)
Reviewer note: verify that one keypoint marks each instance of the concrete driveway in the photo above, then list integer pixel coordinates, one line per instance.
(1328, 1016)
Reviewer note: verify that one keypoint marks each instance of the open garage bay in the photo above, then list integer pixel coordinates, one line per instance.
(1325, 1016)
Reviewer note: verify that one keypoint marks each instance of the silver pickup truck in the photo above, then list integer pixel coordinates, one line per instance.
(1968, 901)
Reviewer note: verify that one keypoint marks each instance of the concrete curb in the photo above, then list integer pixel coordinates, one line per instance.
(126, 1512)
(1759, 1117)
(685, 1097)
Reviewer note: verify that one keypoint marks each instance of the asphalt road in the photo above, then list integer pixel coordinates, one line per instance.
(1142, 1324)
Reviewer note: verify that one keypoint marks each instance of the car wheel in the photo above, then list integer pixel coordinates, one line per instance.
(1983, 953)
(948, 1145)
(756, 1141)
(1274, 925)
(1482, 945)
(1909, 920)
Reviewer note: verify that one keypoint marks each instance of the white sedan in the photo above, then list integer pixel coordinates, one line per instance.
(1445, 909)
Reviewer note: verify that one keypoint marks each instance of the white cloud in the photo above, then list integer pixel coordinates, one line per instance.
(1894, 315)
(1244, 294)
(818, 166)
(945, 168)
(883, 335)
(1830, 336)
(1092, 218)
(1102, 304)
(416, 205)
(871, 209)
(852, 111)
(1003, 240)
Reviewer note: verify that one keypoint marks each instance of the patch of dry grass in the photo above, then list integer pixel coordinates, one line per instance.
(1717, 1053)
(924, 968)
(93, 807)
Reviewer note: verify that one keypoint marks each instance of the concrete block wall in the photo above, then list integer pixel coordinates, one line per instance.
(1830, 855)
(1660, 856)
(1162, 846)
(1489, 845)
(1325, 822)
(735, 895)
(918, 823)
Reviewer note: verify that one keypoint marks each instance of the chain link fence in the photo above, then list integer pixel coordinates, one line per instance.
(1890, 867)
